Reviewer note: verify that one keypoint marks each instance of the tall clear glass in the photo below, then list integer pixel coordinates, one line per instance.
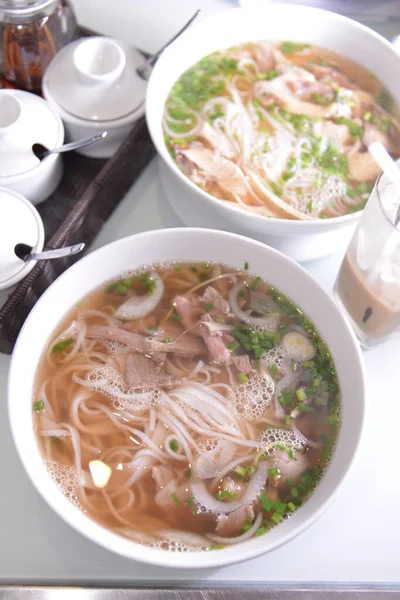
(368, 284)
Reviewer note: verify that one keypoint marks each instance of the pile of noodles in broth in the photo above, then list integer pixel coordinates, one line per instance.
(281, 130)
(187, 407)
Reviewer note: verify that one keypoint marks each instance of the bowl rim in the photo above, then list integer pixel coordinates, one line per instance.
(117, 543)
(298, 226)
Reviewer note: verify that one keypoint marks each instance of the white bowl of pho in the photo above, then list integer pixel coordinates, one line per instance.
(262, 120)
(188, 402)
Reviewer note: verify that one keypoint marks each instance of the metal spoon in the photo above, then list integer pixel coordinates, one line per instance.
(24, 252)
(144, 70)
(41, 151)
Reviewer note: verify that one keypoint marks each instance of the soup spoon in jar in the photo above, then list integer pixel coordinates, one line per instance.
(24, 252)
(41, 151)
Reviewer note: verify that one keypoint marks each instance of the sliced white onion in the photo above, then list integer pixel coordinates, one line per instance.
(213, 326)
(138, 307)
(268, 323)
(298, 346)
(240, 538)
(253, 490)
(210, 463)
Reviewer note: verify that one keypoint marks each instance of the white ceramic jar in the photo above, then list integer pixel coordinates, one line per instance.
(26, 119)
(93, 85)
(20, 223)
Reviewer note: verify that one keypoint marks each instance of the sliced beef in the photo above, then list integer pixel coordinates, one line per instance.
(186, 346)
(242, 363)
(194, 317)
(142, 372)
(219, 353)
(362, 167)
(290, 468)
(113, 333)
(220, 305)
(228, 525)
(189, 310)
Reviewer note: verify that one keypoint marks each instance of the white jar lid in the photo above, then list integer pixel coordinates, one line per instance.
(25, 119)
(95, 79)
(19, 223)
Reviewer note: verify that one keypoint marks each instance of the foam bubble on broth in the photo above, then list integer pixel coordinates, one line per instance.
(250, 400)
(108, 381)
(286, 437)
(64, 476)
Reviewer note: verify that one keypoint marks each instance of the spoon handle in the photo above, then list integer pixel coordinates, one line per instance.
(59, 253)
(79, 144)
(145, 69)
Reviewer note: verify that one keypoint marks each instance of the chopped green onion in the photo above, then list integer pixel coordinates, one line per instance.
(208, 307)
(188, 473)
(178, 267)
(39, 405)
(260, 531)
(176, 317)
(280, 446)
(56, 440)
(276, 517)
(152, 327)
(291, 47)
(294, 493)
(226, 495)
(280, 507)
(175, 499)
(79, 303)
(273, 369)
(292, 454)
(190, 501)
(219, 320)
(243, 378)
(167, 340)
(288, 421)
(216, 547)
(174, 445)
(273, 472)
(246, 266)
(60, 346)
(233, 347)
(247, 525)
(244, 472)
(266, 503)
(291, 506)
(301, 394)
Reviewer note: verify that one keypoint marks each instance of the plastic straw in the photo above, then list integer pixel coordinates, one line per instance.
(390, 169)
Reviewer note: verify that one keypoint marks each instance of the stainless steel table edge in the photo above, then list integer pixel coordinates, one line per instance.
(218, 592)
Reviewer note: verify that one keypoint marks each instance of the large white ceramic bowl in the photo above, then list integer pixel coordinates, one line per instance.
(196, 245)
(302, 240)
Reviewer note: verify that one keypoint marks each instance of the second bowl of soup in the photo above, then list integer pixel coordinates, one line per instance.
(263, 121)
(189, 403)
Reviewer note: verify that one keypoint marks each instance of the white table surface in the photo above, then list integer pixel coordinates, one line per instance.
(356, 540)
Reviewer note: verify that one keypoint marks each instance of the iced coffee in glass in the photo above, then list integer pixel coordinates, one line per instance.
(368, 284)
